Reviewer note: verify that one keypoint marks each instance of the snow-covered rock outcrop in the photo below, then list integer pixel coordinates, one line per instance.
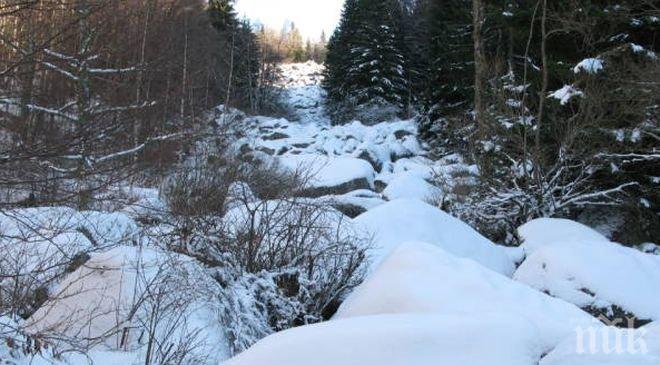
(126, 297)
(407, 220)
(543, 232)
(424, 306)
(602, 277)
(406, 339)
(421, 278)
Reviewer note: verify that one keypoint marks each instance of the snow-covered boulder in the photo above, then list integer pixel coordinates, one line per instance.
(542, 232)
(600, 276)
(41, 224)
(409, 339)
(108, 229)
(109, 303)
(354, 203)
(406, 220)
(331, 175)
(411, 186)
(609, 346)
(421, 278)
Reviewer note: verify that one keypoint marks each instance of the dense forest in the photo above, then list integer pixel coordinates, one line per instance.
(557, 101)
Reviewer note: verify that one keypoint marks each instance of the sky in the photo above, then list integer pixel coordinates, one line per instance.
(310, 16)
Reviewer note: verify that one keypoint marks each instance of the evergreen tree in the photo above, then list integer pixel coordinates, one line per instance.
(338, 57)
(377, 71)
(366, 55)
(222, 14)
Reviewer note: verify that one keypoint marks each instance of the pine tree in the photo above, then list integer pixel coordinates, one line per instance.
(338, 58)
(222, 14)
(377, 70)
(366, 56)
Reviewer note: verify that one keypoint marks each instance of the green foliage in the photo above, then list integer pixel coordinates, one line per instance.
(366, 59)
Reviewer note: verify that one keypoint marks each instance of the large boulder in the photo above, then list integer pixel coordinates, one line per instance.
(410, 339)
(542, 232)
(608, 280)
(120, 296)
(330, 175)
(405, 220)
(422, 278)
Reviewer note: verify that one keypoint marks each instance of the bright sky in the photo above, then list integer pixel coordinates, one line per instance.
(310, 16)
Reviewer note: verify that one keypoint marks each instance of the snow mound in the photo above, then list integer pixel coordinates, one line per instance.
(542, 232)
(610, 346)
(354, 203)
(589, 65)
(411, 186)
(420, 278)
(108, 303)
(596, 275)
(406, 220)
(402, 340)
(41, 224)
(336, 175)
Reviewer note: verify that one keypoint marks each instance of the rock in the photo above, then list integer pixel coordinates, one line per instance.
(275, 136)
(369, 157)
(400, 134)
(349, 210)
(606, 279)
(347, 187)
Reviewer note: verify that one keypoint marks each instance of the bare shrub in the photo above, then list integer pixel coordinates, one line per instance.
(281, 261)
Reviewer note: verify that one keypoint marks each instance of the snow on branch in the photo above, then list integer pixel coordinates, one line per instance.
(60, 70)
(38, 108)
(123, 108)
(71, 59)
(631, 157)
(598, 196)
(92, 161)
(138, 148)
(112, 70)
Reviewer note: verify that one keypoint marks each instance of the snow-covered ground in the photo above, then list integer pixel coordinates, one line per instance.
(438, 292)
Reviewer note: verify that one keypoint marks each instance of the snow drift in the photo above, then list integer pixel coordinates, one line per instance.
(407, 220)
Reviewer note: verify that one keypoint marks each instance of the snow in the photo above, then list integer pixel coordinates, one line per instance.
(409, 339)
(542, 232)
(636, 48)
(384, 143)
(437, 290)
(589, 65)
(405, 220)
(39, 224)
(566, 93)
(421, 278)
(304, 93)
(596, 274)
(610, 346)
(411, 186)
(106, 304)
(329, 171)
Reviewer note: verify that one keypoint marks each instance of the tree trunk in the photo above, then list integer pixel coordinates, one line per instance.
(479, 18)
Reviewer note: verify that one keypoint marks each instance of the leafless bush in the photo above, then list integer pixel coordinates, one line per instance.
(282, 261)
